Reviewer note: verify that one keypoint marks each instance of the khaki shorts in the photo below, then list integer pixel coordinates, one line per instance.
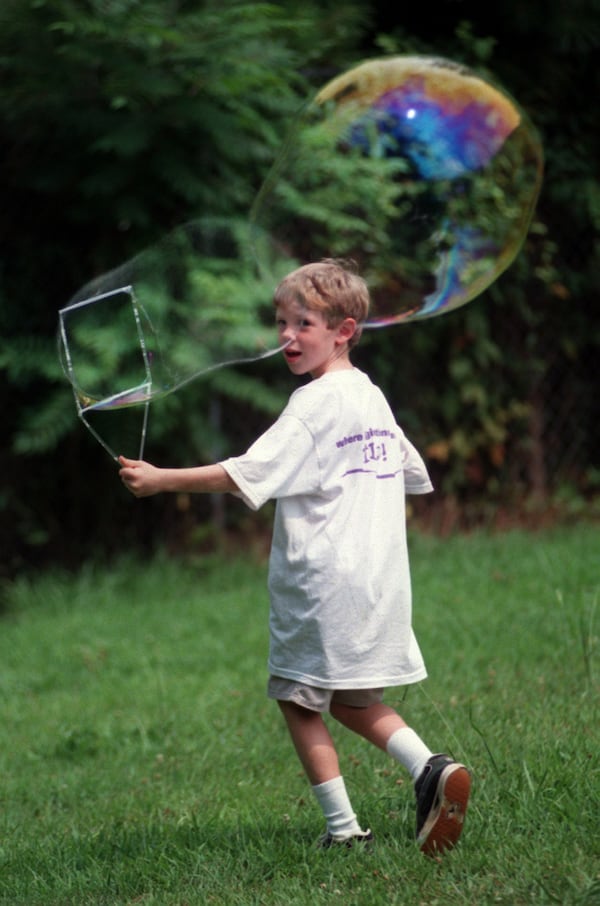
(316, 699)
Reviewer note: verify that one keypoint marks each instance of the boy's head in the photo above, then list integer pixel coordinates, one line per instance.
(331, 287)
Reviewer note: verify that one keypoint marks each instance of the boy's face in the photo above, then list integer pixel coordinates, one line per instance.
(312, 346)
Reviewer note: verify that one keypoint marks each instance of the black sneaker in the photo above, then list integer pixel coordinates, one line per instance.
(442, 792)
(365, 838)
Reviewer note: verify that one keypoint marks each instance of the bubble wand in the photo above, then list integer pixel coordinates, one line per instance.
(142, 393)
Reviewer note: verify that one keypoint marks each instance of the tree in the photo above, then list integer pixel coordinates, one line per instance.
(120, 119)
(509, 401)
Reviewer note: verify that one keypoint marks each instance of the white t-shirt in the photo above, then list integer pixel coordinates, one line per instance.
(339, 467)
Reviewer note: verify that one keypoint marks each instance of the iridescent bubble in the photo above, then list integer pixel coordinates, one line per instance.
(420, 170)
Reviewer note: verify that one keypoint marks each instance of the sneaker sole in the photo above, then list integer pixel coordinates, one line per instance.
(445, 821)
(363, 841)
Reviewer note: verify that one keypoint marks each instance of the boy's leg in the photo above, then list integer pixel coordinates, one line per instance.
(318, 755)
(377, 722)
(312, 741)
(383, 726)
(442, 786)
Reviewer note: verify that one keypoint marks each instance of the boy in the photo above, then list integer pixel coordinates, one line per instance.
(340, 622)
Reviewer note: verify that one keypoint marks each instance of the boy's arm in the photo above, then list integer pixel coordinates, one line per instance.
(416, 477)
(144, 479)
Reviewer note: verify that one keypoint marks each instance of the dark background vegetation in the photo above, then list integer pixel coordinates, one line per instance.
(121, 119)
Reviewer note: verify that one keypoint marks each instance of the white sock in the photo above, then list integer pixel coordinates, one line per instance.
(409, 749)
(334, 801)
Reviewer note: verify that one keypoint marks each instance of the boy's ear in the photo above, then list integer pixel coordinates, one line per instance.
(346, 330)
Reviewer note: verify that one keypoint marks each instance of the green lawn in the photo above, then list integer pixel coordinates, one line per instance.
(141, 763)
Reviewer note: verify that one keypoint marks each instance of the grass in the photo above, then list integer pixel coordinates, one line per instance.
(141, 763)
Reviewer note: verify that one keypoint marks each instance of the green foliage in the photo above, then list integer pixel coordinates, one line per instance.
(118, 122)
(149, 87)
(490, 384)
(41, 429)
(122, 119)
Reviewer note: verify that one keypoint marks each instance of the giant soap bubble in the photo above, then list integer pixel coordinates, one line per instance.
(420, 170)
(417, 168)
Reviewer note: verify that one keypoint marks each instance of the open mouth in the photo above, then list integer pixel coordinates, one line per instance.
(291, 354)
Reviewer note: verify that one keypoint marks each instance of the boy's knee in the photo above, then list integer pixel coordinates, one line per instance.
(346, 714)
(293, 708)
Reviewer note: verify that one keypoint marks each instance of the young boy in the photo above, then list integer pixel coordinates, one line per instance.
(338, 466)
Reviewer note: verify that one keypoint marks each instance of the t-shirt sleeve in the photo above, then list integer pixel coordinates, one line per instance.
(416, 477)
(282, 462)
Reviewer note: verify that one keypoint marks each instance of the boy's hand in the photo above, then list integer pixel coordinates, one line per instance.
(139, 477)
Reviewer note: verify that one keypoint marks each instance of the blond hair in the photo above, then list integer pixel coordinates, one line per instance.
(331, 286)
